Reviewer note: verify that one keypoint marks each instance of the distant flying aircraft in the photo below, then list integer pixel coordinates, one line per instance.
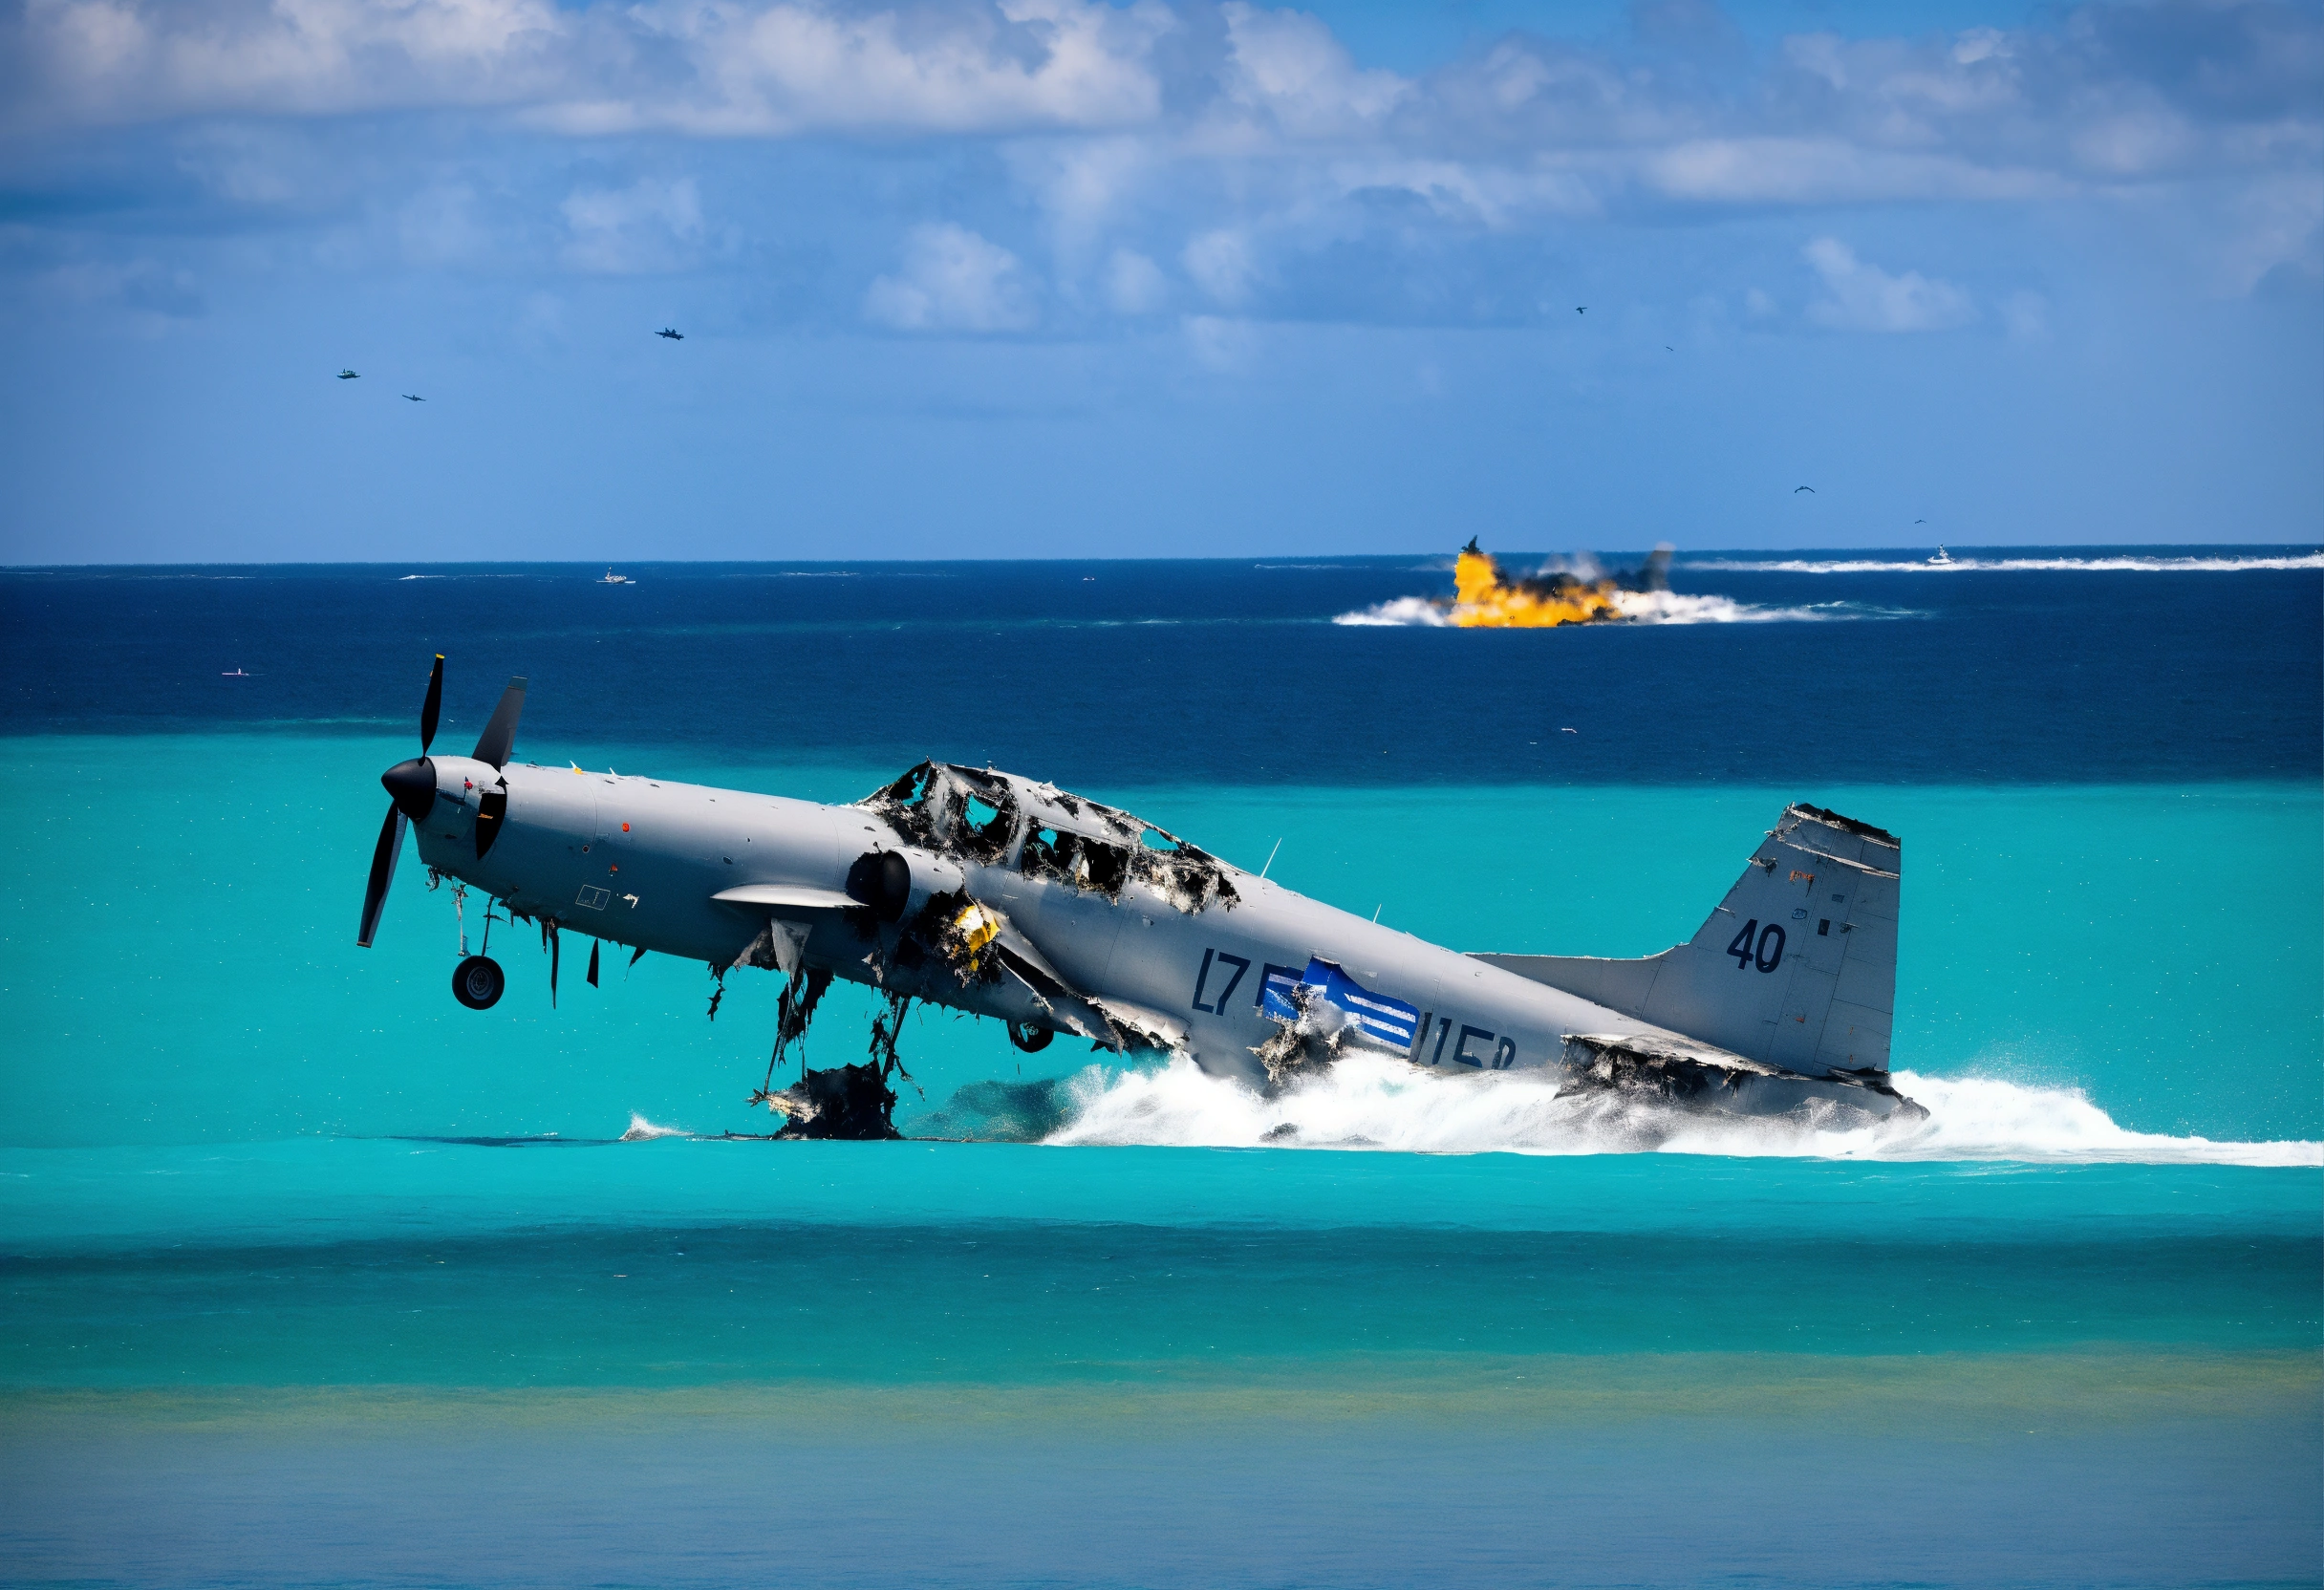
(348, 375)
(414, 397)
(1004, 898)
(671, 332)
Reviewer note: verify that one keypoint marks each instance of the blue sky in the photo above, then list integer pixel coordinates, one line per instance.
(1056, 278)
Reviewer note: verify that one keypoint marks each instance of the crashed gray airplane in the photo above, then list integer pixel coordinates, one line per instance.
(1002, 898)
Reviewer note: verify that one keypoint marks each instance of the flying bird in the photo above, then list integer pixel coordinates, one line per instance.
(1581, 308)
(1919, 521)
(671, 332)
(1798, 489)
(414, 397)
(348, 375)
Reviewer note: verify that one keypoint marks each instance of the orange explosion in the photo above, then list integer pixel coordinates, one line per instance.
(1487, 601)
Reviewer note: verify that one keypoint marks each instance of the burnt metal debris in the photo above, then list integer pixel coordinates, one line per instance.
(915, 920)
(1304, 1044)
(847, 1102)
(1672, 1074)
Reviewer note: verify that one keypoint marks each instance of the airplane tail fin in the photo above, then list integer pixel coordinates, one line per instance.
(1795, 968)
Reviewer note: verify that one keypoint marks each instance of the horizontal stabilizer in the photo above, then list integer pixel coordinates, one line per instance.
(1685, 1072)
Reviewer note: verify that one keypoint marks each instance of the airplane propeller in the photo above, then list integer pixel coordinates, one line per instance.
(411, 791)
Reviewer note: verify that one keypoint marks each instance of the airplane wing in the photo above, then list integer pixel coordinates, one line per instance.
(785, 897)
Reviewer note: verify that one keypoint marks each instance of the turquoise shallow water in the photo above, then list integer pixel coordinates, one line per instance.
(179, 961)
(386, 1362)
(264, 1319)
(341, 1262)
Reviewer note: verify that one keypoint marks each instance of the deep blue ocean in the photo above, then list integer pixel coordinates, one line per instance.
(309, 1276)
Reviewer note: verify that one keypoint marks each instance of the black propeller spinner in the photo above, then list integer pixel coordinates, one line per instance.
(411, 790)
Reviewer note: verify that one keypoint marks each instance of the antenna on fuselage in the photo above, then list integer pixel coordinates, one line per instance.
(1278, 845)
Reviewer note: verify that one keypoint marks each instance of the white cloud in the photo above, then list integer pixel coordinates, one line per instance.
(2275, 226)
(971, 67)
(1828, 170)
(1221, 266)
(1135, 284)
(1218, 343)
(127, 60)
(1248, 129)
(716, 67)
(1287, 66)
(953, 279)
(649, 226)
(1865, 298)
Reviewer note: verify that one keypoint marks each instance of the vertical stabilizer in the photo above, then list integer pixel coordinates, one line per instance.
(1795, 968)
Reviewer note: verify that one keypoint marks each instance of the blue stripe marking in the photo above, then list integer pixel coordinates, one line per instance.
(1378, 1017)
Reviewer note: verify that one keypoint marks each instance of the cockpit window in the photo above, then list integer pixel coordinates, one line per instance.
(1104, 868)
(977, 815)
(982, 828)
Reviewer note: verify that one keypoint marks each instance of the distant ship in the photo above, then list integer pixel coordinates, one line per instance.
(1943, 559)
(612, 578)
(234, 673)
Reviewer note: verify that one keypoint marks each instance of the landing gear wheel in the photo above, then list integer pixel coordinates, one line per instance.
(477, 982)
(1032, 1040)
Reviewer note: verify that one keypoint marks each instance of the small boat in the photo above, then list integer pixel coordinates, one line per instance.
(234, 673)
(612, 578)
(1943, 559)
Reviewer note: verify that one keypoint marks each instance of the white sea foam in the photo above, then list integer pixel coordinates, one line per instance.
(1669, 606)
(643, 1130)
(1636, 607)
(1371, 1102)
(1974, 565)
(1413, 611)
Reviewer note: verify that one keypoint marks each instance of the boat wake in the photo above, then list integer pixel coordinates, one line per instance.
(1634, 607)
(1959, 565)
(1369, 1102)
(643, 1130)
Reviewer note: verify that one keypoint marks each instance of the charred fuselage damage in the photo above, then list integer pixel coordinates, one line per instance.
(964, 873)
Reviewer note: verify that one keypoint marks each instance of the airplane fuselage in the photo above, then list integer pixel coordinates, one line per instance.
(1116, 931)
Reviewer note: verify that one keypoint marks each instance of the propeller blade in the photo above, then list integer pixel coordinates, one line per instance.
(593, 963)
(491, 810)
(498, 738)
(427, 711)
(382, 874)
